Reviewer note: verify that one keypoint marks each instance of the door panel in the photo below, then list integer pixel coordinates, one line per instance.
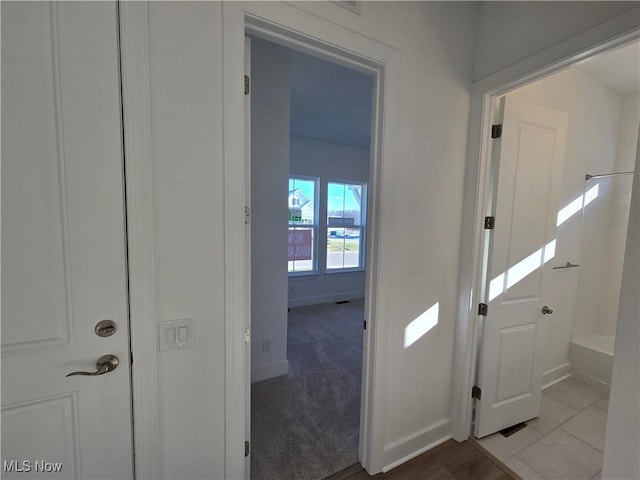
(32, 215)
(531, 153)
(63, 242)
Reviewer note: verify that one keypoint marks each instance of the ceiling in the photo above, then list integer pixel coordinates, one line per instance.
(618, 69)
(333, 103)
(329, 102)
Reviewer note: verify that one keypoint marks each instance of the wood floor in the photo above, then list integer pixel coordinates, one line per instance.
(449, 461)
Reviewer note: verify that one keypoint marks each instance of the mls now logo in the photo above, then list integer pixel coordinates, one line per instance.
(29, 466)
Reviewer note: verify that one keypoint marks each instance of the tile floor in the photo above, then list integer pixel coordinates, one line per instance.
(565, 442)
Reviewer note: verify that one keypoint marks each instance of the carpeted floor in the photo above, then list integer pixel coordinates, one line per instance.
(305, 425)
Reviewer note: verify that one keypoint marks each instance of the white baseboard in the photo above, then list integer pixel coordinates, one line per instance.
(406, 448)
(591, 380)
(270, 370)
(555, 375)
(335, 297)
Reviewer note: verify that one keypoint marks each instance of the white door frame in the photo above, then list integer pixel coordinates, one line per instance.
(607, 36)
(136, 101)
(294, 28)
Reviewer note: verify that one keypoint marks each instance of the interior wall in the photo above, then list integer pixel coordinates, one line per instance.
(619, 212)
(628, 133)
(592, 137)
(327, 161)
(186, 146)
(622, 441)
(269, 176)
(511, 31)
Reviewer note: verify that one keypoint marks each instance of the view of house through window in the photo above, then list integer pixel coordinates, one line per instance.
(345, 225)
(302, 224)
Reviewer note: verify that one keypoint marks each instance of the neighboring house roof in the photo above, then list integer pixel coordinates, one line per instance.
(297, 199)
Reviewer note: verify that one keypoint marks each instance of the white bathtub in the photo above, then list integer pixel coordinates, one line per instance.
(592, 360)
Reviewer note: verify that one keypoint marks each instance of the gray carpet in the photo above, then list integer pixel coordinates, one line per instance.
(305, 425)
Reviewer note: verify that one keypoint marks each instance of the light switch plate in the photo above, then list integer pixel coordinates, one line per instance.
(173, 334)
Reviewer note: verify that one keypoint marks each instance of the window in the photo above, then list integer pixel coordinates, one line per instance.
(345, 225)
(303, 224)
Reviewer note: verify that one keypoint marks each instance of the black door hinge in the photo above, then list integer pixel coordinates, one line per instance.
(496, 130)
(483, 309)
(365, 324)
(476, 393)
(247, 85)
(489, 223)
(247, 448)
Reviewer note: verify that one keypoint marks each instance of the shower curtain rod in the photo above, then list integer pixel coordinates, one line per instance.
(600, 175)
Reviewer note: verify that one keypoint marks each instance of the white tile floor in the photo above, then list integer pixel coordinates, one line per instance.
(565, 442)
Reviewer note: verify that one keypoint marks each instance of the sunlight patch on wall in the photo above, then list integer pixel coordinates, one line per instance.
(419, 327)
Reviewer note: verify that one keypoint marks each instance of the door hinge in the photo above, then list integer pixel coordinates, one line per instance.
(489, 223)
(476, 392)
(483, 309)
(247, 335)
(247, 448)
(496, 130)
(247, 215)
(365, 324)
(247, 85)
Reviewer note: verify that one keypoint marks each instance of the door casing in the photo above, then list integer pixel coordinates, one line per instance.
(289, 26)
(484, 108)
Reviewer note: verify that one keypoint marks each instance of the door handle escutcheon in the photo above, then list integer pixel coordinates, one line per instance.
(105, 364)
(546, 310)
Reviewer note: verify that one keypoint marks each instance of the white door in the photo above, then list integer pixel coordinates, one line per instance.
(530, 155)
(63, 244)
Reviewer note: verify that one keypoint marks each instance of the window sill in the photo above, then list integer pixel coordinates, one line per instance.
(335, 271)
(303, 274)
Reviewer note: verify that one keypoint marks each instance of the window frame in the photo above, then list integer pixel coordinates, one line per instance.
(315, 227)
(362, 227)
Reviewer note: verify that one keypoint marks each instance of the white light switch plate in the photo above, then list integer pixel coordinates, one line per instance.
(173, 334)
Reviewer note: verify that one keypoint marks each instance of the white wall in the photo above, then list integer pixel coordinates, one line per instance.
(186, 143)
(512, 31)
(328, 161)
(619, 211)
(622, 444)
(628, 133)
(269, 176)
(592, 135)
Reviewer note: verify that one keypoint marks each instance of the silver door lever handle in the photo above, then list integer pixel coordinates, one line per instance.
(546, 310)
(105, 364)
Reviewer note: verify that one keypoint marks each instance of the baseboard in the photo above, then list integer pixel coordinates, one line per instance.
(555, 375)
(270, 370)
(406, 448)
(591, 380)
(334, 297)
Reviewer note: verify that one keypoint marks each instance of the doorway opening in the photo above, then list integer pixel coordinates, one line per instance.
(310, 155)
(581, 267)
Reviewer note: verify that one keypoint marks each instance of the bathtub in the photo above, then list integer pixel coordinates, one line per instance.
(592, 360)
